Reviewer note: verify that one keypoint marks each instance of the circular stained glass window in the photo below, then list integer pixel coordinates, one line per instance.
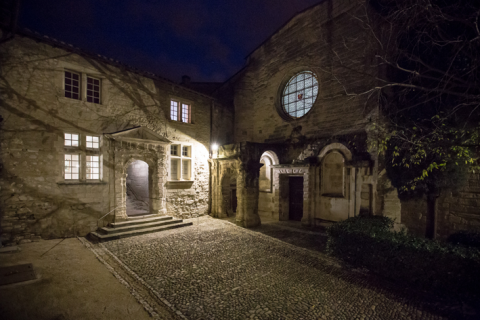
(300, 94)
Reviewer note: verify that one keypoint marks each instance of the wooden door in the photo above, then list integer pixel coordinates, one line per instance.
(295, 186)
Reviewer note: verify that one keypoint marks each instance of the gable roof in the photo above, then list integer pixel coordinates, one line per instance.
(139, 134)
(68, 47)
(335, 7)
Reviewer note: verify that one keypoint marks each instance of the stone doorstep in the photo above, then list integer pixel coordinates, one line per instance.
(138, 226)
(135, 221)
(105, 237)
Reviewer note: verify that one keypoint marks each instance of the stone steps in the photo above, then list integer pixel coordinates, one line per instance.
(139, 221)
(134, 227)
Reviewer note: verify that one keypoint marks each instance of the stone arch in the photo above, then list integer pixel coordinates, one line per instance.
(155, 183)
(267, 159)
(137, 180)
(228, 185)
(336, 189)
(347, 154)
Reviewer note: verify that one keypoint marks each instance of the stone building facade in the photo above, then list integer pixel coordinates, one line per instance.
(320, 165)
(77, 131)
(279, 140)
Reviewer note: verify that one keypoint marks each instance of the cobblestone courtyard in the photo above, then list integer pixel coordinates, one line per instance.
(216, 270)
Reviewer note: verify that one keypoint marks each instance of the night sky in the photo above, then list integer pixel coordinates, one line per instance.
(205, 39)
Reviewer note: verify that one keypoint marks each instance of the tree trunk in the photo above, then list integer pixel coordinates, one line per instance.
(431, 223)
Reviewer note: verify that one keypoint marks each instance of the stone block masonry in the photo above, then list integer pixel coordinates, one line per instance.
(36, 199)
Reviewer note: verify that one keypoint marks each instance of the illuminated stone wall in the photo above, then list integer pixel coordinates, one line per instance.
(35, 199)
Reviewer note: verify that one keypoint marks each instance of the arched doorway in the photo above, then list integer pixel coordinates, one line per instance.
(265, 195)
(137, 188)
(229, 194)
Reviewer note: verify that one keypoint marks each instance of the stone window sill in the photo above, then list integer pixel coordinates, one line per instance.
(65, 99)
(333, 195)
(180, 181)
(181, 123)
(67, 183)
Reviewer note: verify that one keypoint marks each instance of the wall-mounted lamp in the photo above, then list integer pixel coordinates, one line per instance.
(214, 152)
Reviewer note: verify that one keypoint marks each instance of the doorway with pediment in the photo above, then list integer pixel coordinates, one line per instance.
(139, 158)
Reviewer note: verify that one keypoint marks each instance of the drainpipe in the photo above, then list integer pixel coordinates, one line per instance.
(210, 182)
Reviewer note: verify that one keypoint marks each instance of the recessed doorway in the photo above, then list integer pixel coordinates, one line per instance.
(137, 185)
(295, 207)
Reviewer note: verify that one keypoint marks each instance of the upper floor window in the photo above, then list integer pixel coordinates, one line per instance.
(180, 111)
(300, 94)
(93, 89)
(72, 85)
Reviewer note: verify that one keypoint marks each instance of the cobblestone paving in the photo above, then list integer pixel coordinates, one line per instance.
(215, 270)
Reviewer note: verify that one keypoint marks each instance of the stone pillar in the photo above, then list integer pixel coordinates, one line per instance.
(247, 194)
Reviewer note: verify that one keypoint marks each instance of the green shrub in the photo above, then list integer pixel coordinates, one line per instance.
(369, 242)
(465, 238)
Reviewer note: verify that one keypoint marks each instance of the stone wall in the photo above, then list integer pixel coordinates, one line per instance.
(34, 197)
(305, 43)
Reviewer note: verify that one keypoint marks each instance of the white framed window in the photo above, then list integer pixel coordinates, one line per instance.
(180, 162)
(93, 89)
(174, 110)
(93, 167)
(71, 140)
(93, 142)
(82, 158)
(72, 167)
(180, 111)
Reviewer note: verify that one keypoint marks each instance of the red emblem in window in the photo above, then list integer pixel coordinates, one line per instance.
(300, 96)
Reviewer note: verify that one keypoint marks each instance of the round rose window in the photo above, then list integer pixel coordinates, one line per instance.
(300, 94)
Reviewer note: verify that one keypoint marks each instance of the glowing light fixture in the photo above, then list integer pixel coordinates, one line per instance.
(214, 147)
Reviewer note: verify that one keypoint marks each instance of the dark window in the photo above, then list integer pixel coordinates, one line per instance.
(72, 85)
(93, 90)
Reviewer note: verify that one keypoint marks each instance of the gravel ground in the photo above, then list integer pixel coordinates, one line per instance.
(216, 270)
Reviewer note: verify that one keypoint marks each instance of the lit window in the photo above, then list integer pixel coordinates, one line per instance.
(186, 164)
(186, 113)
(174, 110)
(72, 167)
(71, 140)
(174, 169)
(72, 85)
(180, 111)
(93, 142)
(180, 163)
(93, 167)
(93, 90)
(300, 94)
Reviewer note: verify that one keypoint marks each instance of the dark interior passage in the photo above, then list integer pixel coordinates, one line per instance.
(295, 208)
(138, 195)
